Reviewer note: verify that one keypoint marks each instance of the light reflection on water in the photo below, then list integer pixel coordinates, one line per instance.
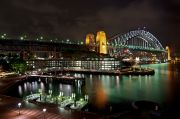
(163, 87)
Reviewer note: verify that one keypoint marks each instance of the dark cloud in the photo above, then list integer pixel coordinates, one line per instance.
(74, 19)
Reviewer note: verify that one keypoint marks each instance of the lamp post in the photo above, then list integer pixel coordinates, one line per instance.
(19, 105)
(44, 111)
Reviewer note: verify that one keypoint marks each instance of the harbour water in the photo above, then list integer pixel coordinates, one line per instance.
(111, 94)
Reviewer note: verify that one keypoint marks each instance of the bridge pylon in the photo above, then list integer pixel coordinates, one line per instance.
(168, 53)
(90, 41)
(101, 42)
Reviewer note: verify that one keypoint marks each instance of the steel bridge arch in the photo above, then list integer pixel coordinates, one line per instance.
(137, 39)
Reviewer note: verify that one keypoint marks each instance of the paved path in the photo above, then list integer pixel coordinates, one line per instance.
(9, 110)
(36, 114)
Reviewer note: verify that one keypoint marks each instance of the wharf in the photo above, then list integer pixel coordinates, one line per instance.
(129, 71)
(65, 102)
(63, 79)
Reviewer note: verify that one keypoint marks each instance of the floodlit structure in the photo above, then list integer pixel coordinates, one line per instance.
(90, 41)
(101, 42)
(168, 53)
(140, 43)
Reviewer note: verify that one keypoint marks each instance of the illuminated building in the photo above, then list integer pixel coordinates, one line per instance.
(168, 53)
(88, 63)
(101, 42)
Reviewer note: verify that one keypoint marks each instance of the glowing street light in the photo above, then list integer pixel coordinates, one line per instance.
(21, 38)
(44, 111)
(2, 37)
(19, 106)
(41, 37)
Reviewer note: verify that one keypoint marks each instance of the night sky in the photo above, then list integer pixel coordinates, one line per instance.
(73, 19)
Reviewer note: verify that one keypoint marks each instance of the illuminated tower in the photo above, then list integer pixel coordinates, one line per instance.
(90, 42)
(101, 42)
(168, 53)
(90, 39)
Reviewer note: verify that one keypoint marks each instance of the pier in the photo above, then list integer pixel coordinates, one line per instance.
(127, 71)
(66, 102)
(61, 78)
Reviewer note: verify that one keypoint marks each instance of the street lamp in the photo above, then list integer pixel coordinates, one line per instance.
(21, 38)
(41, 37)
(19, 105)
(2, 37)
(44, 110)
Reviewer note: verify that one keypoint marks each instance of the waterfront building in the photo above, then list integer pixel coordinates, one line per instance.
(88, 63)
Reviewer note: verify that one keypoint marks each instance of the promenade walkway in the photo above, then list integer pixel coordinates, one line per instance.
(9, 110)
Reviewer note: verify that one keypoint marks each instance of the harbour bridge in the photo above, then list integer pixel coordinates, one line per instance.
(137, 43)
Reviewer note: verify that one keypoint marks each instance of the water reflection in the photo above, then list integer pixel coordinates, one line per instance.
(20, 90)
(163, 87)
(117, 82)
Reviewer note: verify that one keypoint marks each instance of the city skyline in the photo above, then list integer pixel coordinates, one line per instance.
(74, 19)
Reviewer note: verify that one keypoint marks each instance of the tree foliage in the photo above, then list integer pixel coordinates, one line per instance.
(18, 65)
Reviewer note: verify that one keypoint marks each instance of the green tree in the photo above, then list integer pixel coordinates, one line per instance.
(18, 65)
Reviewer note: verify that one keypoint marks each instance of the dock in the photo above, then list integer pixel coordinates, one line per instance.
(128, 71)
(67, 79)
